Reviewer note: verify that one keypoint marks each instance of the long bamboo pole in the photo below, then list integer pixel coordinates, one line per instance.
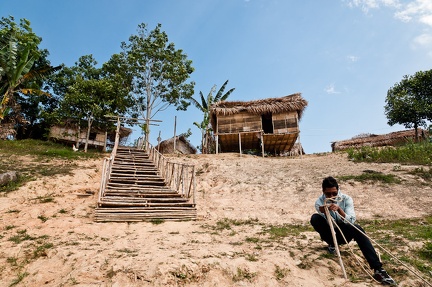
(330, 222)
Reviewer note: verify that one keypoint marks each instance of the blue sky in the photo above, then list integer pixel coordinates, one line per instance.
(341, 55)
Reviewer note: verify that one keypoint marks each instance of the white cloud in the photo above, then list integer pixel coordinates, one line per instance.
(331, 90)
(352, 58)
(415, 10)
(366, 5)
(423, 40)
(420, 10)
(426, 19)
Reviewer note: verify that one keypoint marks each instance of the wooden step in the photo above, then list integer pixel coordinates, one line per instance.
(128, 214)
(131, 171)
(144, 199)
(140, 194)
(142, 189)
(144, 209)
(121, 163)
(169, 205)
(138, 184)
(118, 176)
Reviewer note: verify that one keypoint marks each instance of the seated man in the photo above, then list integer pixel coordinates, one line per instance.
(342, 211)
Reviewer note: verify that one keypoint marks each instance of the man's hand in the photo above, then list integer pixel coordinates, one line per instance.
(333, 207)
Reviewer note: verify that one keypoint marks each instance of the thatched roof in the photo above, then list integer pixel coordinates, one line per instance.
(183, 146)
(293, 102)
(123, 133)
(373, 140)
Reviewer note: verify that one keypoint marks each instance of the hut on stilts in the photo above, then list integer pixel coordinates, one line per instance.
(268, 125)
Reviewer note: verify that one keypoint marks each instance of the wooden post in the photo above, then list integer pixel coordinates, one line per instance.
(105, 141)
(262, 143)
(175, 124)
(117, 137)
(301, 148)
(217, 135)
(159, 141)
(240, 144)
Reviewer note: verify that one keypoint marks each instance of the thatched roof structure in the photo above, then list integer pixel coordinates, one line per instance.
(182, 146)
(270, 125)
(372, 140)
(293, 102)
(7, 131)
(123, 133)
(69, 133)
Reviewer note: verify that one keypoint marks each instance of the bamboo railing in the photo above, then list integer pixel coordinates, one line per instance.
(179, 177)
(106, 171)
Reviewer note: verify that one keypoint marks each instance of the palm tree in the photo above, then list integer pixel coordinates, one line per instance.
(204, 106)
(18, 54)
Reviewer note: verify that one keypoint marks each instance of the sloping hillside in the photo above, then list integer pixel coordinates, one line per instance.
(252, 227)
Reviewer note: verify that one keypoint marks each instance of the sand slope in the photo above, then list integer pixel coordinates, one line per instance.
(56, 243)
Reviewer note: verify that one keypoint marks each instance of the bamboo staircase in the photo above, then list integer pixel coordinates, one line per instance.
(140, 186)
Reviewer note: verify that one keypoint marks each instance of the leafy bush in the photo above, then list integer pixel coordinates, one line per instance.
(374, 176)
(42, 156)
(411, 153)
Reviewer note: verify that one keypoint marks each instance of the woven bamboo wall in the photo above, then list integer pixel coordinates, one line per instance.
(241, 122)
(7, 131)
(285, 123)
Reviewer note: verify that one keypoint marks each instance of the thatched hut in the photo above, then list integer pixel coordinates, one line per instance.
(182, 146)
(7, 131)
(372, 140)
(271, 125)
(98, 138)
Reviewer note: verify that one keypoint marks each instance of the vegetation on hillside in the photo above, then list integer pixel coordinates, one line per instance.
(44, 159)
(411, 153)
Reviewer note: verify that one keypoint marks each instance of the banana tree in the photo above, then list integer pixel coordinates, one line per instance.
(204, 106)
(18, 54)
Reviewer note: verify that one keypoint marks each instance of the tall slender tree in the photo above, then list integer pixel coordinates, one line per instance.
(160, 73)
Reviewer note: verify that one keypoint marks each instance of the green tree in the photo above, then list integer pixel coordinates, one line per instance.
(88, 94)
(20, 73)
(204, 106)
(409, 102)
(159, 72)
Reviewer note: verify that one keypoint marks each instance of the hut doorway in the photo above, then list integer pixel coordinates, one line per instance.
(267, 123)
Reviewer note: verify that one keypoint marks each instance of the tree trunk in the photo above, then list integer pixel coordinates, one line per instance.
(105, 142)
(202, 141)
(78, 135)
(89, 124)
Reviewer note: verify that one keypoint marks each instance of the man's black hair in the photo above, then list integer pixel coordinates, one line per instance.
(329, 182)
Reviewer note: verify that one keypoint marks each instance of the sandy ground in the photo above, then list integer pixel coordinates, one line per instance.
(48, 236)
